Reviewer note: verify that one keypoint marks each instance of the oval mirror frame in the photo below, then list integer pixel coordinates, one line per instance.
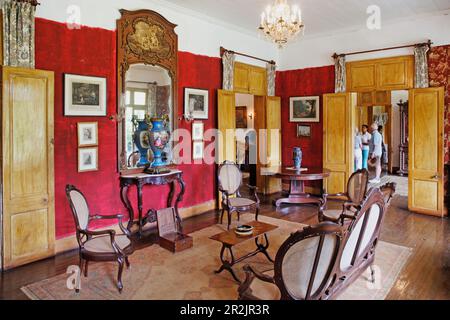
(143, 37)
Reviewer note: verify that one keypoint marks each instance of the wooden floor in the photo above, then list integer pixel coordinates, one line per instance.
(426, 275)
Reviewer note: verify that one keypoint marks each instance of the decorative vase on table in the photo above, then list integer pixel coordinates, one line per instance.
(298, 158)
(141, 139)
(159, 138)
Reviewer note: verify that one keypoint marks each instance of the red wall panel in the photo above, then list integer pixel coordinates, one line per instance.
(92, 51)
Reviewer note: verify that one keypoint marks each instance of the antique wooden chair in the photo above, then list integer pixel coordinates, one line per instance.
(102, 245)
(352, 199)
(230, 183)
(303, 268)
(320, 262)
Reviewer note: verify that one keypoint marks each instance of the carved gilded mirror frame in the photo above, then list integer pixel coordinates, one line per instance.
(144, 37)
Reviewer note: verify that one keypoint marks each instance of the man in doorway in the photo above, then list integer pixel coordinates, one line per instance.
(376, 151)
(365, 139)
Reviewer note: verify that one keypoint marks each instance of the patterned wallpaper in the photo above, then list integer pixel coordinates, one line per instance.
(439, 69)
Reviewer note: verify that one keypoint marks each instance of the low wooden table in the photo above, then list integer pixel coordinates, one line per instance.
(229, 239)
(296, 193)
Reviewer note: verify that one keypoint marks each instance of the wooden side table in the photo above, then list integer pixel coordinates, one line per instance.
(229, 239)
(140, 180)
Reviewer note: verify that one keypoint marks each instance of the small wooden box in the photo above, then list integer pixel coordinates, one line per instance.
(169, 236)
(176, 242)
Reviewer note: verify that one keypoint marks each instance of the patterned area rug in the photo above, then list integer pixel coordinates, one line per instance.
(157, 274)
(402, 184)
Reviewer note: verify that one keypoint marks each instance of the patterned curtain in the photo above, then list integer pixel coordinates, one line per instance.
(422, 78)
(271, 75)
(228, 59)
(18, 26)
(341, 76)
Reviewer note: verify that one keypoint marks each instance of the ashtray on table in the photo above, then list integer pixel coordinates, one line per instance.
(244, 230)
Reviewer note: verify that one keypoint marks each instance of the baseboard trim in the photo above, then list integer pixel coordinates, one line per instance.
(70, 243)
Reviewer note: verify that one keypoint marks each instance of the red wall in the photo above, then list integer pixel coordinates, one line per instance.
(92, 51)
(301, 83)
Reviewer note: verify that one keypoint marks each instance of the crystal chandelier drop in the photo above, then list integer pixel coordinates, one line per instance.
(281, 22)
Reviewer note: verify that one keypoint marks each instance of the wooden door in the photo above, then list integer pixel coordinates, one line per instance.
(257, 81)
(28, 172)
(241, 78)
(426, 151)
(338, 130)
(273, 125)
(227, 125)
(361, 76)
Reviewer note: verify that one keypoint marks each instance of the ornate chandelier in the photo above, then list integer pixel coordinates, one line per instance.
(281, 22)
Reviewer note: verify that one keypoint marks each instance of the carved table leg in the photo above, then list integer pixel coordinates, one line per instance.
(226, 264)
(140, 208)
(263, 247)
(126, 202)
(179, 199)
(171, 194)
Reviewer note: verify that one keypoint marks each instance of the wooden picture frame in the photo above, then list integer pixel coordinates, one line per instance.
(87, 134)
(84, 96)
(304, 109)
(88, 159)
(196, 103)
(198, 129)
(241, 117)
(304, 131)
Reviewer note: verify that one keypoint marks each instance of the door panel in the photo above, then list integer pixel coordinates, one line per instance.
(339, 123)
(241, 78)
(258, 81)
(395, 73)
(426, 151)
(227, 125)
(28, 173)
(273, 116)
(361, 76)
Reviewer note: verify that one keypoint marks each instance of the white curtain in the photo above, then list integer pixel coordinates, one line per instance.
(18, 31)
(228, 60)
(421, 57)
(271, 76)
(341, 77)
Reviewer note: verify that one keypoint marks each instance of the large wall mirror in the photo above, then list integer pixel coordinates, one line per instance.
(147, 85)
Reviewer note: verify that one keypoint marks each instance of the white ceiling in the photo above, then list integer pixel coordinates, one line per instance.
(320, 16)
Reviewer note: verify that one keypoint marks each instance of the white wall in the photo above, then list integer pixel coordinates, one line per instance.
(197, 33)
(316, 52)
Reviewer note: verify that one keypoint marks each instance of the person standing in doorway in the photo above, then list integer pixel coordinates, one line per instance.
(358, 150)
(376, 151)
(365, 140)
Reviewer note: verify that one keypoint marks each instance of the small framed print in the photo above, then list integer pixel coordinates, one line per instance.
(198, 148)
(303, 131)
(305, 109)
(84, 96)
(196, 103)
(197, 131)
(87, 159)
(87, 134)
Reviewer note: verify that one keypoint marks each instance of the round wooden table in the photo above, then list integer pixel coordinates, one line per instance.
(296, 193)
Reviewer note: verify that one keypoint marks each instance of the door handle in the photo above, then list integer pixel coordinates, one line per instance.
(436, 177)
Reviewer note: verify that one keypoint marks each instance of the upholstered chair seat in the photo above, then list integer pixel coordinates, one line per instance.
(242, 202)
(103, 244)
(265, 290)
(230, 183)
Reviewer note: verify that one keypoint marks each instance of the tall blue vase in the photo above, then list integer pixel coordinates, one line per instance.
(159, 138)
(142, 141)
(298, 158)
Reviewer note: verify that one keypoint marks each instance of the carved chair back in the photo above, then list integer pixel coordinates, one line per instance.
(305, 263)
(230, 178)
(388, 191)
(79, 206)
(363, 232)
(357, 186)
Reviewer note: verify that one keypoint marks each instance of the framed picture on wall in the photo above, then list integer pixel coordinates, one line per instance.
(241, 118)
(84, 96)
(304, 131)
(87, 134)
(87, 159)
(197, 150)
(305, 109)
(197, 131)
(196, 103)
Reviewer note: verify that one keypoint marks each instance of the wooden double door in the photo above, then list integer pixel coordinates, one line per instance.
(426, 146)
(28, 232)
(267, 120)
